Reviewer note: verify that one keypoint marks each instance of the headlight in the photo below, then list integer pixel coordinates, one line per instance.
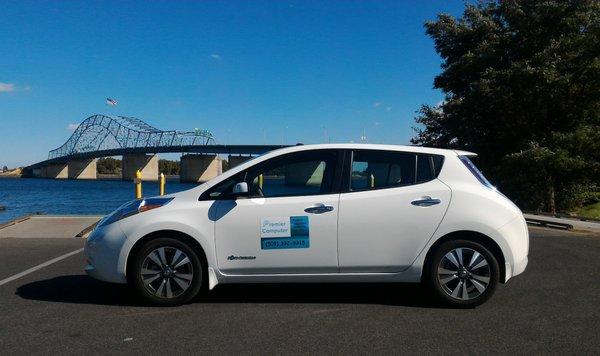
(132, 208)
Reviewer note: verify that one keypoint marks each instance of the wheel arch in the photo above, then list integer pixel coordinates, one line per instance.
(174, 234)
(473, 236)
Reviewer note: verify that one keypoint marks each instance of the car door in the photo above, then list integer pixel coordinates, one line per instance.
(392, 207)
(288, 223)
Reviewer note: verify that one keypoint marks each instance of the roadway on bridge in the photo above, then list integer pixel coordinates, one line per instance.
(553, 307)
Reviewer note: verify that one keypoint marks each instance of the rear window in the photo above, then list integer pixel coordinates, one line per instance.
(476, 172)
(438, 161)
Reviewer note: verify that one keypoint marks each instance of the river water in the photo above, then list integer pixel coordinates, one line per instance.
(55, 196)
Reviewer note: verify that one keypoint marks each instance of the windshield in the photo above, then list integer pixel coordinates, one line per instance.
(476, 172)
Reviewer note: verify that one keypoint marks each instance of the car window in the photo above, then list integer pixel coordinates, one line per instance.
(374, 169)
(222, 189)
(438, 161)
(424, 168)
(379, 169)
(303, 173)
(475, 171)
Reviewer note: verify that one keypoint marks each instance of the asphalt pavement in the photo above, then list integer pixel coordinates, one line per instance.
(554, 307)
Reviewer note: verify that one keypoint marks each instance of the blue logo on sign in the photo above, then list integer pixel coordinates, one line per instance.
(300, 237)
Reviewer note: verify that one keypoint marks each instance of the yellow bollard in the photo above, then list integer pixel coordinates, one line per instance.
(138, 184)
(162, 184)
(260, 181)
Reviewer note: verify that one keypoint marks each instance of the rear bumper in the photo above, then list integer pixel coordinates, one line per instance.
(520, 266)
(516, 237)
(515, 269)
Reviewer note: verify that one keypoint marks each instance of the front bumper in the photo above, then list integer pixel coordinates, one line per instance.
(103, 248)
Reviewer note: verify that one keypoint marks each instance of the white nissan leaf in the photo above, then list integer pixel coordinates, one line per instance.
(320, 213)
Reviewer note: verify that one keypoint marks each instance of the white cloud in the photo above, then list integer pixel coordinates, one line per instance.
(6, 87)
(389, 108)
(377, 104)
(72, 127)
(215, 56)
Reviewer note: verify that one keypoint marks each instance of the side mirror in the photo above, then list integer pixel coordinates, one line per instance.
(240, 189)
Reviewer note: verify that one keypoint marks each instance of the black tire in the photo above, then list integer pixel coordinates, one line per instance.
(153, 292)
(444, 284)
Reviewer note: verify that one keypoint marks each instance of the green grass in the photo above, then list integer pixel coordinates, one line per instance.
(590, 211)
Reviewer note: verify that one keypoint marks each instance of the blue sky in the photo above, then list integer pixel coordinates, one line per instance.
(249, 71)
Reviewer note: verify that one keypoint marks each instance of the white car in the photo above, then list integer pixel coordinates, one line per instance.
(320, 213)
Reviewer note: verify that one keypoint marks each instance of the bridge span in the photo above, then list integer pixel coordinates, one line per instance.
(107, 136)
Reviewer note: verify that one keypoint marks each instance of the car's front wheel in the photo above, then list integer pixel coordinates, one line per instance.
(166, 272)
(462, 273)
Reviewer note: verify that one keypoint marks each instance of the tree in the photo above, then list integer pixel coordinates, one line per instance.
(109, 165)
(522, 89)
(168, 167)
(4, 169)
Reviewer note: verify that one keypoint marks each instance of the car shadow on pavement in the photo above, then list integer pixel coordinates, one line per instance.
(397, 294)
(81, 289)
(77, 289)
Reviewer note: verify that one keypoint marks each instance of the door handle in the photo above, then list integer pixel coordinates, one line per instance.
(319, 209)
(426, 201)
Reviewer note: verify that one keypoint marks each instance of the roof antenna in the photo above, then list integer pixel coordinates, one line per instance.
(363, 138)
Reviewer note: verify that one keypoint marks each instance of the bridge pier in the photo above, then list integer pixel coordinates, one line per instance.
(199, 168)
(55, 171)
(32, 172)
(82, 169)
(237, 160)
(147, 164)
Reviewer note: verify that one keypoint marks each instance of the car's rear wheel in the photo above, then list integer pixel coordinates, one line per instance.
(462, 273)
(166, 272)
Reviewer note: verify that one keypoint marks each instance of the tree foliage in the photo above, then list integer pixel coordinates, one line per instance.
(111, 165)
(522, 89)
(108, 165)
(168, 167)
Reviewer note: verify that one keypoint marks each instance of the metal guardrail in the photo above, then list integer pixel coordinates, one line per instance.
(551, 224)
(562, 216)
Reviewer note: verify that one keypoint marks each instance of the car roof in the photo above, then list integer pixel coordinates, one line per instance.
(369, 146)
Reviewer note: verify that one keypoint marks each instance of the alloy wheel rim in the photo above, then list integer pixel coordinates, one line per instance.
(464, 274)
(167, 272)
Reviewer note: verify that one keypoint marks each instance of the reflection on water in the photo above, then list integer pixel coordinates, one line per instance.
(54, 196)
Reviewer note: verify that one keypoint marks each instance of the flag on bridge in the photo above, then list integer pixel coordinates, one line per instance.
(111, 102)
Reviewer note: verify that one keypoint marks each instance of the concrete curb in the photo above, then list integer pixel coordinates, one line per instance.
(14, 221)
(50, 226)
